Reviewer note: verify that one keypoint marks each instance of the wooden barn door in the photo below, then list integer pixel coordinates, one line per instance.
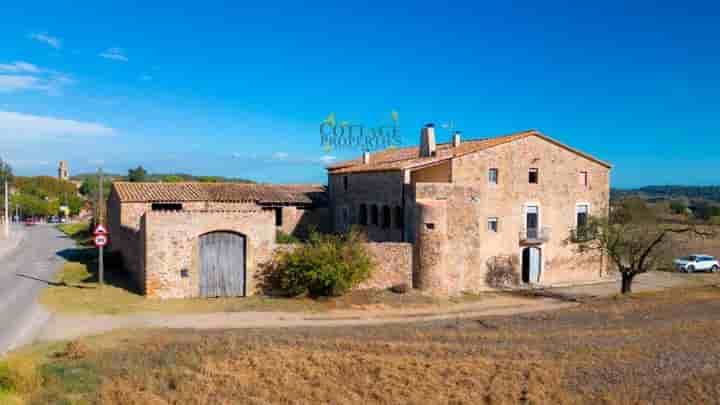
(222, 265)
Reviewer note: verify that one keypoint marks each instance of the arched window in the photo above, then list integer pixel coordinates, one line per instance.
(374, 215)
(399, 218)
(386, 217)
(363, 214)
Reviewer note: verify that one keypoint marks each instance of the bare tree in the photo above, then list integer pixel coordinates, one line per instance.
(632, 238)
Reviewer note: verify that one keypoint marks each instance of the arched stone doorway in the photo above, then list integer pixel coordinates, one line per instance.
(222, 264)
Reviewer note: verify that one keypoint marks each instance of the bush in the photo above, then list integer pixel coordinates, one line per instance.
(502, 271)
(284, 238)
(327, 265)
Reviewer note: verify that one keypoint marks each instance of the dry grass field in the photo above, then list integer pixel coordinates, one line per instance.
(651, 348)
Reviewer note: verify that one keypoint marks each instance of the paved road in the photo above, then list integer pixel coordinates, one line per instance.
(24, 272)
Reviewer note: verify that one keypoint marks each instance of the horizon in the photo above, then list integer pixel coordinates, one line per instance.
(244, 93)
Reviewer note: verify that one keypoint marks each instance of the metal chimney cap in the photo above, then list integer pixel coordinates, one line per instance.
(430, 125)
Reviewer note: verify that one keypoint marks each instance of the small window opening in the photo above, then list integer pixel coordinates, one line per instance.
(399, 218)
(386, 217)
(493, 176)
(583, 179)
(363, 214)
(278, 216)
(345, 183)
(374, 214)
(166, 207)
(430, 225)
(492, 224)
(533, 176)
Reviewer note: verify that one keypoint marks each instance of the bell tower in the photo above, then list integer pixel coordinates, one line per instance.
(63, 171)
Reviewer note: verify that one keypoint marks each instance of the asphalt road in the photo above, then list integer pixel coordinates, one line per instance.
(24, 273)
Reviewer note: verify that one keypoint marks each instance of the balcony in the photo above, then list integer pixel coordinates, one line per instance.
(535, 236)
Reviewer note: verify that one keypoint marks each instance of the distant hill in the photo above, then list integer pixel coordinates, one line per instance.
(166, 177)
(693, 193)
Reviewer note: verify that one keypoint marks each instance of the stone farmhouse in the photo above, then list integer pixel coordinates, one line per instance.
(466, 205)
(205, 239)
(438, 216)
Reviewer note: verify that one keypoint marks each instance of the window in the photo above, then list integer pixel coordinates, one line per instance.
(345, 216)
(374, 215)
(278, 216)
(166, 207)
(493, 176)
(386, 217)
(533, 176)
(345, 183)
(399, 218)
(492, 224)
(581, 219)
(583, 178)
(363, 214)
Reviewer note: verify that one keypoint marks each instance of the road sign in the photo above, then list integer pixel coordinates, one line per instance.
(101, 240)
(100, 230)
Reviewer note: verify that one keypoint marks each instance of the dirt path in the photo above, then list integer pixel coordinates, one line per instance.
(63, 327)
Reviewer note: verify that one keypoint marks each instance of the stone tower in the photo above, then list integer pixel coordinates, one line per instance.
(63, 171)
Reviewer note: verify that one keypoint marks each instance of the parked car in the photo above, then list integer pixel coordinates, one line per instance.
(29, 222)
(692, 263)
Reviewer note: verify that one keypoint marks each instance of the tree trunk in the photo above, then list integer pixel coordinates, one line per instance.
(627, 279)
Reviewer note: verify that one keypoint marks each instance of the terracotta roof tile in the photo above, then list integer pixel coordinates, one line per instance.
(406, 158)
(220, 192)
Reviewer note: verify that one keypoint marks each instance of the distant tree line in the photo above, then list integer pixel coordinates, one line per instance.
(140, 174)
(711, 193)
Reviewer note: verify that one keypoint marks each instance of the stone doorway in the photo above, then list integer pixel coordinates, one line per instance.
(531, 265)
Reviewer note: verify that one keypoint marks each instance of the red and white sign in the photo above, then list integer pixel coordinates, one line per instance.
(100, 240)
(100, 230)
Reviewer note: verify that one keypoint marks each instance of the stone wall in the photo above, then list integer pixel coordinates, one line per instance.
(371, 189)
(392, 261)
(457, 260)
(172, 245)
(393, 265)
(299, 221)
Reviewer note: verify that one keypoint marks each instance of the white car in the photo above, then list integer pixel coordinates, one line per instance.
(692, 263)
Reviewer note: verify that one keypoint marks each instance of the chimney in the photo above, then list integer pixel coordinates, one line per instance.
(366, 158)
(456, 139)
(427, 141)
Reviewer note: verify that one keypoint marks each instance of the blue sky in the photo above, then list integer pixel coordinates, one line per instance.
(226, 89)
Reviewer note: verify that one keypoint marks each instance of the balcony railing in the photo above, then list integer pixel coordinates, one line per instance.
(535, 235)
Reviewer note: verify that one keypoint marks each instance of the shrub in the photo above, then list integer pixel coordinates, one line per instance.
(327, 265)
(284, 238)
(502, 271)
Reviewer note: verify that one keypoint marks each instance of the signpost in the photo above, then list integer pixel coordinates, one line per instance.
(100, 239)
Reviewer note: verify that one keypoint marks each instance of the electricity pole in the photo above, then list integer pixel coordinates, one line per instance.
(101, 270)
(7, 211)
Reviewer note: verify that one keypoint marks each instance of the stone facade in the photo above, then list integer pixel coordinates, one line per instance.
(392, 264)
(159, 241)
(448, 202)
(172, 247)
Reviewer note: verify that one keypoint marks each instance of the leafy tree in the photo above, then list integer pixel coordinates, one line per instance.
(632, 238)
(705, 210)
(89, 187)
(137, 174)
(172, 178)
(678, 206)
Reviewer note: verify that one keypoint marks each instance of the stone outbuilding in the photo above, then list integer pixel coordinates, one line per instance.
(205, 239)
(468, 205)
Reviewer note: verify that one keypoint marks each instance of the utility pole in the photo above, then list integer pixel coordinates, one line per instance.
(101, 269)
(7, 210)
